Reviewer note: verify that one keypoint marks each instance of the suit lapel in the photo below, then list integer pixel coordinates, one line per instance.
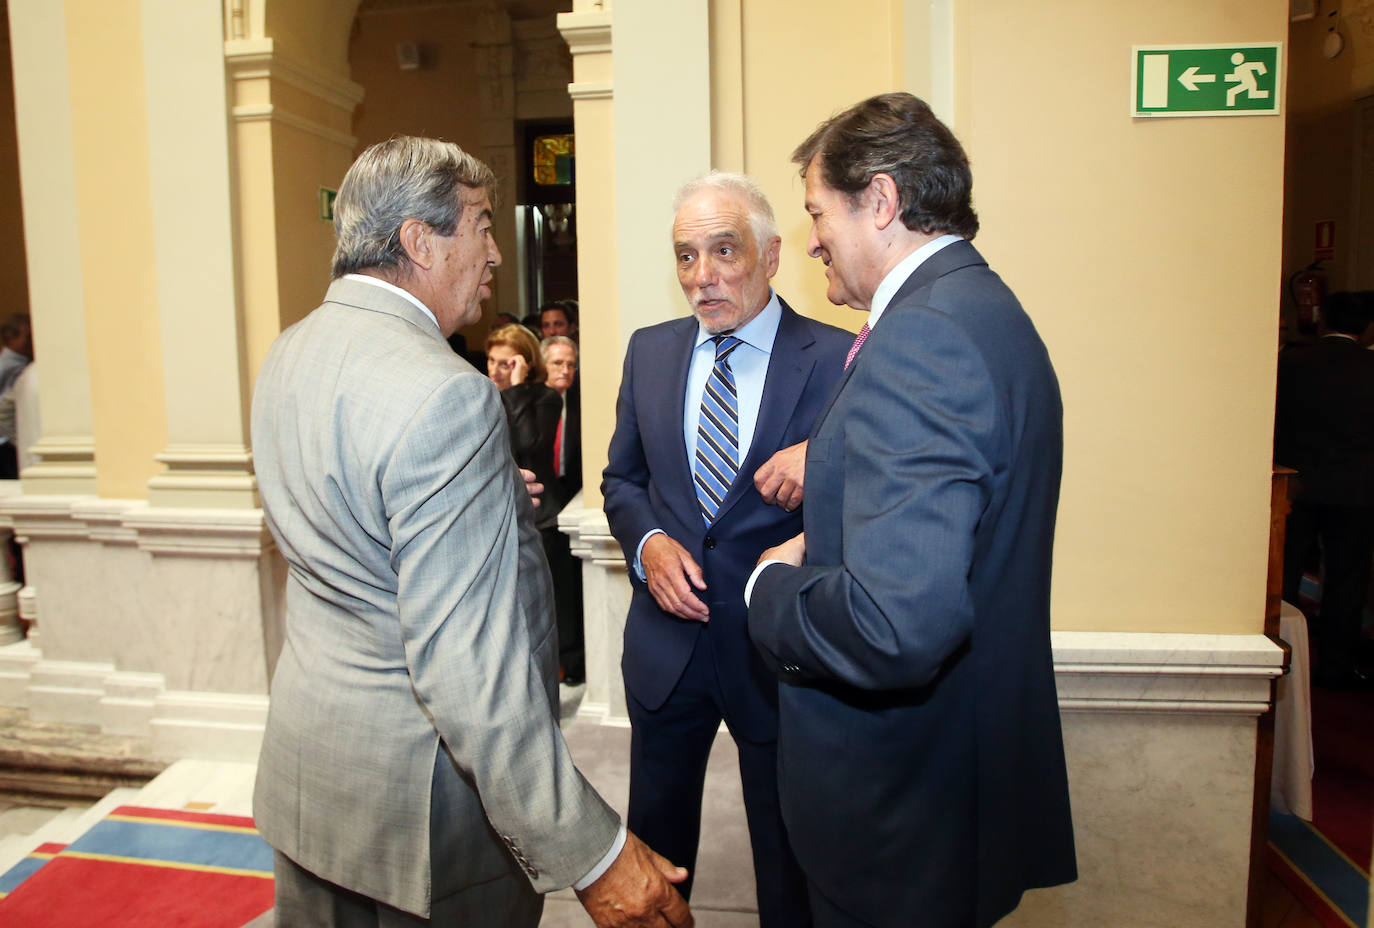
(950, 258)
(677, 359)
(789, 368)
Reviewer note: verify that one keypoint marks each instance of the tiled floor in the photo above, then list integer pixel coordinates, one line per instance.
(723, 896)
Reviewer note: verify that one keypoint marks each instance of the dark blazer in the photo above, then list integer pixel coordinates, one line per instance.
(648, 484)
(921, 764)
(532, 413)
(1324, 421)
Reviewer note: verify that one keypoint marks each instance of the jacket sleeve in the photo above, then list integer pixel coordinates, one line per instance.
(917, 446)
(625, 481)
(469, 580)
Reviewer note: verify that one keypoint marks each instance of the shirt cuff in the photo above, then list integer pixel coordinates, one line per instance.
(595, 873)
(638, 564)
(749, 587)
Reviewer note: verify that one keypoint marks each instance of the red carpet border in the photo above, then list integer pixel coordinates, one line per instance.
(145, 868)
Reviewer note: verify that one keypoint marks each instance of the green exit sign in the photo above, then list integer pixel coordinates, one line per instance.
(1205, 80)
(327, 198)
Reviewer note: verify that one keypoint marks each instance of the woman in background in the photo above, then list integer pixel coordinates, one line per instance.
(516, 366)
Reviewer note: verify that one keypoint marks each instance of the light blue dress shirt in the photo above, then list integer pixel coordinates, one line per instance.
(749, 364)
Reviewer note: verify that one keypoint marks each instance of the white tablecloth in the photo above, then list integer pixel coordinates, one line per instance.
(1290, 790)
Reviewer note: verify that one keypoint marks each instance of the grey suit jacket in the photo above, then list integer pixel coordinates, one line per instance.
(412, 743)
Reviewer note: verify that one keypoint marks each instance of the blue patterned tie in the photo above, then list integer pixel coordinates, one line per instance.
(718, 431)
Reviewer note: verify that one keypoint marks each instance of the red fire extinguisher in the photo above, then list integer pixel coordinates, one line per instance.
(1308, 288)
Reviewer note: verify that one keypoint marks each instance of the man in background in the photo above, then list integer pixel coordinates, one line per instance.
(1324, 427)
(922, 765)
(412, 770)
(16, 335)
(704, 472)
(559, 318)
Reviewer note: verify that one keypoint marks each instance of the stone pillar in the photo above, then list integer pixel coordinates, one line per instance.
(203, 362)
(43, 114)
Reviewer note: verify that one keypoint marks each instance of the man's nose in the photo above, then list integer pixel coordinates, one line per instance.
(813, 243)
(493, 253)
(705, 271)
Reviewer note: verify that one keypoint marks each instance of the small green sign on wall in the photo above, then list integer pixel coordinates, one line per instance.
(327, 198)
(1205, 80)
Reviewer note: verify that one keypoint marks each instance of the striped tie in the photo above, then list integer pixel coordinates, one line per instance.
(718, 431)
(858, 343)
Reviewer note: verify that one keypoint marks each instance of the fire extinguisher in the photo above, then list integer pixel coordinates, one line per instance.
(1308, 288)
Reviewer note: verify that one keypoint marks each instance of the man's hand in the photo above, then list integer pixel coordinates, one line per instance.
(792, 551)
(637, 891)
(668, 568)
(779, 480)
(532, 486)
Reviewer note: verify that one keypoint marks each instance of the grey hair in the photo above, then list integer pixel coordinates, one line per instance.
(552, 340)
(761, 221)
(399, 179)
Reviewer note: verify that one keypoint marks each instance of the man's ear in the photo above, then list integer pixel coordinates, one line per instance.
(771, 253)
(883, 200)
(417, 238)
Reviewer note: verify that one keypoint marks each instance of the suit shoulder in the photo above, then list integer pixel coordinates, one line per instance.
(831, 338)
(662, 332)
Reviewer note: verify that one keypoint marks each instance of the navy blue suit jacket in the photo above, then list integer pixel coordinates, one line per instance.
(921, 765)
(648, 484)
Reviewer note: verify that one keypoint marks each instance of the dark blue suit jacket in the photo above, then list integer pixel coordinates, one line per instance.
(921, 765)
(648, 484)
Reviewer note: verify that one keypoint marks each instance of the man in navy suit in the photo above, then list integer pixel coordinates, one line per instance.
(921, 762)
(704, 473)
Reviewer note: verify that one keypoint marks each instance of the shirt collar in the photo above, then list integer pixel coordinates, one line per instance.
(405, 294)
(758, 332)
(899, 274)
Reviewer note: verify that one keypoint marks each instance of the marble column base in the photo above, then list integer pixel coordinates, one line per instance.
(155, 622)
(1159, 737)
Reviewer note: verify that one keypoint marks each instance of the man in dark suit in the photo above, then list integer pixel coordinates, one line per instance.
(560, 358)
(1324, 427)
(921, 763)
(706, 403)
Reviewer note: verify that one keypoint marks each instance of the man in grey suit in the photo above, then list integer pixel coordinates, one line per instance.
(412, 771)
(921, 765)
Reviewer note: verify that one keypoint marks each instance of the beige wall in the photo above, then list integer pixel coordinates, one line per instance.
(110, 140)
(14, 278)
(439, 99)
(788, 91)
(1147, 251)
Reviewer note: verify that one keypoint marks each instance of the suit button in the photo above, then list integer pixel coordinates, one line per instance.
(710, 543)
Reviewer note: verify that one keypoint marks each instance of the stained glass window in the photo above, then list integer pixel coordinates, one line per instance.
(553, 160)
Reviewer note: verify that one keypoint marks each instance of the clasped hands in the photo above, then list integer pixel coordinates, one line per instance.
(673, 575)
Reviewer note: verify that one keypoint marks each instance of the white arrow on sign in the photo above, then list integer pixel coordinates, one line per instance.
(1190, 78)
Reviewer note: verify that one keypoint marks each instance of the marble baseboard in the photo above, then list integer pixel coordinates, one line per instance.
(155, 622)
(203, 725)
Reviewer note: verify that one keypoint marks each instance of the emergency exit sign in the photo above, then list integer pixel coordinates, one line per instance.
(1205, 80)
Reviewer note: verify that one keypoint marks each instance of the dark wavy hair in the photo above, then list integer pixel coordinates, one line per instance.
(897, 134)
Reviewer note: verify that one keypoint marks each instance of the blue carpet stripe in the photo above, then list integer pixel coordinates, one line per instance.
(176, 843)
(20, 872)
(1327, 869)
